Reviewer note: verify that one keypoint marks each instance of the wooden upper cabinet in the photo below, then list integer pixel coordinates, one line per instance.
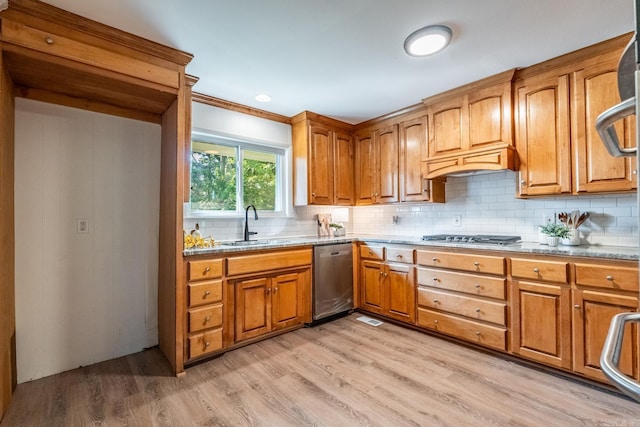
(386, 149)
(471, 128)
(323, 160)
(365, 165)
(542, 136)
(343, 177)
(413, 151)
(595, 89)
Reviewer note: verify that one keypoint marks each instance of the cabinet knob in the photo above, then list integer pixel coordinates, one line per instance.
(477, 286)
(435, 260)
(207, 293)
(275, 290)
(206, 319)
(609, 278)
(477, 333)
(381, 273)
(435, 321)
(207, 269)
(399, 256)
(267, 291)
(386, 274)
(635, 172)
(435, 300)
(523, 182)
(207, 344)
(48, 40)
(425, 191)
(536, 270)
(313, 194)
(477, 310)
(577, 306)
(477, 264)
(435, 279)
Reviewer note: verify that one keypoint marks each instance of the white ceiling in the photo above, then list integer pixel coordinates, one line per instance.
(345, 58)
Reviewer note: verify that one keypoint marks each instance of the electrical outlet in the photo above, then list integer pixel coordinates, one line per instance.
(457, 220)
(82, 225)
(549, 217)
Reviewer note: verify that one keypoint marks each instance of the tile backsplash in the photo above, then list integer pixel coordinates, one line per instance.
(484, 204)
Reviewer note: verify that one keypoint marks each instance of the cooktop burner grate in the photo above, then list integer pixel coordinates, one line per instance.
(477, 238)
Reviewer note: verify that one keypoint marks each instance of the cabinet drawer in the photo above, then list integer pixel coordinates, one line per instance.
(466, 262)
(372, 252)
(205, 292)
(205, 317)
(206, 342)
(474, 284)
(400, 255)
(207, 269)
(268, 261)
(468, 330)
(63, 47)
(549, 271)
(475, 308)
(607, 276)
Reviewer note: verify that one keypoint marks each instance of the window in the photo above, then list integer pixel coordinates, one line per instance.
(228, 175)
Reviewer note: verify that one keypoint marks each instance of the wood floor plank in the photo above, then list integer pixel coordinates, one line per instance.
(340, 373)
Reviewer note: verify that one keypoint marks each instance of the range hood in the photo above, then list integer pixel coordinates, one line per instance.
(471, 128)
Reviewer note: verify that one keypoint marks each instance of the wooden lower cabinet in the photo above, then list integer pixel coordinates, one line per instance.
(389, 289)
(592, 313)
(270, 303)
(541, 328)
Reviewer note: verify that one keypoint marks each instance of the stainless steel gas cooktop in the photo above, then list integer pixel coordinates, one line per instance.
(471, 238)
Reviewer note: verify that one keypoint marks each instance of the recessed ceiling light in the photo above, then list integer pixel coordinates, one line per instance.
(427, 40)
(263, 98)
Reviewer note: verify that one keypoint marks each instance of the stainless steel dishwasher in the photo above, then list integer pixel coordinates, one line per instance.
(332, 280)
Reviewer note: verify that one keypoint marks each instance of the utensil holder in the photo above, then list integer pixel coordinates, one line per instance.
(573, 239)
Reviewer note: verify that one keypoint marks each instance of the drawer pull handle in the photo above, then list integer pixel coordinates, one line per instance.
(477, 310)
(477, 264)
(609, 278)
(577, 306)
(207, 293)
(207, 344)
(206, 319)
(207, 269)
(477, 286)
(536, 270)
(49, 40)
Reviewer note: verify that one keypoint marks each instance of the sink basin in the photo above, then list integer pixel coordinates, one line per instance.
(254, 242)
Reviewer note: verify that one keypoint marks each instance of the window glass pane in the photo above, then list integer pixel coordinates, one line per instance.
(259, 179)
(213, 177)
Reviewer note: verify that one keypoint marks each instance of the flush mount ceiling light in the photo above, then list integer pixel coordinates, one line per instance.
(263, 98)
(427, 40)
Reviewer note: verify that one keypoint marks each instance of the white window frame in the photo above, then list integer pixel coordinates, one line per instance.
(283, 199)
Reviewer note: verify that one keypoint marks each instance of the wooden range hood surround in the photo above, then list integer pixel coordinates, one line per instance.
(471, 128)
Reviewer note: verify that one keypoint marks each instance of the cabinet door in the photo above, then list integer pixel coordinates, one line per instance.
(321, 165)
(387, 149)
(542, 323)
(543, 135)
(252, 308)
(400, 292)
(413, 151)
(595, 90)
(343, 169)
(286, 302)
(449, 121)
(371, 281)
(592, 315)
(365, 169)
(490, 116)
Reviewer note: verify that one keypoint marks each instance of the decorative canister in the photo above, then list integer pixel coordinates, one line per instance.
(573, 239)
(542, 238)
(553, 240)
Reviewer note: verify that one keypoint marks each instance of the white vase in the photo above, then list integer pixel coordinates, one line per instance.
(573, 239)
(542, 238)
(553, 240)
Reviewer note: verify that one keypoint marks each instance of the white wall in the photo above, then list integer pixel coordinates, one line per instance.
(84, 298)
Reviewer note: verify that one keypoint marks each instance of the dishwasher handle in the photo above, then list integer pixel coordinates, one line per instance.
(610, 357)
(605, 127)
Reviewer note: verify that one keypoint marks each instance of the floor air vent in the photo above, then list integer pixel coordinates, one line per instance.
(369, 321)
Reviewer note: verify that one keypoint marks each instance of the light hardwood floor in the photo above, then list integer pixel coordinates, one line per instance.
(342, 373)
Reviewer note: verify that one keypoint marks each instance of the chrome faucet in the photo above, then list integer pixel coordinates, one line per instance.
(247, 233)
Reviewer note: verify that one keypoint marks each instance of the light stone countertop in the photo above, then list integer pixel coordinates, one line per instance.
(590, 251)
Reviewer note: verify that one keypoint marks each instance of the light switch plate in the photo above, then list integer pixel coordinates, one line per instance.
(457, 220)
